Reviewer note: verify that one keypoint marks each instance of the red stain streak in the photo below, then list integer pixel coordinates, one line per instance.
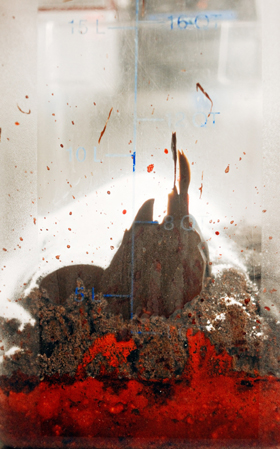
(29, 112)
(198, 86)
(150, 168)
(211, 401)
(104, 129)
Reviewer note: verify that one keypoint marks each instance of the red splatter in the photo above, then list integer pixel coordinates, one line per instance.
(217, 233)
(104, 129)
(17, 123)
(210, 402)
(270, 238)
(273, 290)
(264, 211)
(21, 239)
(34, 220)
(61, 145)
(4, 249)
(68, 246)
(48, 168)
(267, 308)
(166, 151)
(73, 123)
(200, 189)
(70, 213)
(109, 193)
(57, 257)
(124, 211)
(227, 169)
(150, 168)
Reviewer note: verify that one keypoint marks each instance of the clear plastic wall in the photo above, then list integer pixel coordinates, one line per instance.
(92, 93)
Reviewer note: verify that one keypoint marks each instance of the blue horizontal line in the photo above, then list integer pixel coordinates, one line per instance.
(144, 119)
(121, 28)
(146, 222)
(118, 155)
(152, 21)
(116, 296)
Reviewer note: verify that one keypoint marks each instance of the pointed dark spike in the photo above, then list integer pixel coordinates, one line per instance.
(146, 211)
(173, 202)
(174, 154)
(185, 176)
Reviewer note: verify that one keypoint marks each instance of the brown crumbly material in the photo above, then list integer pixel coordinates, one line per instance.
(62, 335)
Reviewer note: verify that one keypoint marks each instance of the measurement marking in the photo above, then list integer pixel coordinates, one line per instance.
(133, 161)
(121, 28)
(98, 32)
(134, 152)
(116, 296)
(145, 119)
(146, 222)
(152, 21)
(95, 155)
(117, 155)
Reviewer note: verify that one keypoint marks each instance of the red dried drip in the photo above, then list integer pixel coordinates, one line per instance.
(210, 401)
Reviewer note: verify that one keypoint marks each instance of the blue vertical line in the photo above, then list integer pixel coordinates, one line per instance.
(134, 152)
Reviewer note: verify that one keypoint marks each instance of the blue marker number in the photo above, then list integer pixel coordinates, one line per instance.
(82, 28)
(182, 23)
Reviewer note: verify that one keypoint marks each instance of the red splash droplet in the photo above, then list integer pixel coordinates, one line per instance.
(17, 123)
(267, 308)
(124, 211)
(150, 168)
(217, 233)
(166, 151)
